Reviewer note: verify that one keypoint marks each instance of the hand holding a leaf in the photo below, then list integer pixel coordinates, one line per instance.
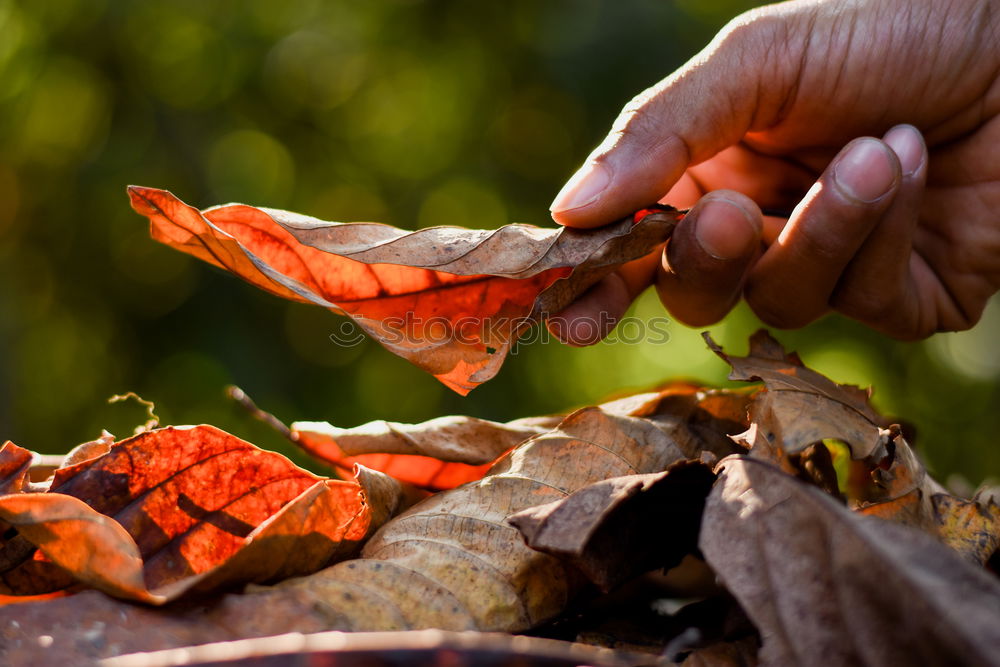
(781, 112)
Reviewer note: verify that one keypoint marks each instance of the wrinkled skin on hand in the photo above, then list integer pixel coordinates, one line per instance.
(781, 112)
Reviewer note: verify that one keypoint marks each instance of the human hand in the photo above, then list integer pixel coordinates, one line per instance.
(901, 233)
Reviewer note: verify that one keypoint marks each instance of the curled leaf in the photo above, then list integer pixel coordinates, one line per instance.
(193, 508)
(93, 547)
(450, 300)
(618, 528)
(819, 580)
(15, 463)
(455, 439)
(801, 410)
(802, 407)
(450, 451)
(452, 561)
(438, 454)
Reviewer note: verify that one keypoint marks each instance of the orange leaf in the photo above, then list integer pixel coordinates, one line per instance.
(94, 547)
(438, 454)
(183, 508)
(14, 465)
(450, 300)
(446, 452)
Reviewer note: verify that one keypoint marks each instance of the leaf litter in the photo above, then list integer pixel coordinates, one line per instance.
(889, 573)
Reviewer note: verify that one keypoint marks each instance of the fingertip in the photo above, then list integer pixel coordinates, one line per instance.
(619, 178)
(709, 258)
(795, 281)
(582, 189)
(727, 225)
(907, 142)
(866, 171)
(580, 218)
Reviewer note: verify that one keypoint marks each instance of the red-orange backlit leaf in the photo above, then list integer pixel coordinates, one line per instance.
(448, 299)
(15, 462)
(438, 454)
(423, 471)
(183, 508)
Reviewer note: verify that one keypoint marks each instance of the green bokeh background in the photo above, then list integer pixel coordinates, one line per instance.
(410, 113)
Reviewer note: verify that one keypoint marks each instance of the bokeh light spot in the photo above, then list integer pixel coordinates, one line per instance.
(250, 167)
(65, 115)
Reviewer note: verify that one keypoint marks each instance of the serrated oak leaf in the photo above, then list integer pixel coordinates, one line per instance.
(802, 407)
(450, 300)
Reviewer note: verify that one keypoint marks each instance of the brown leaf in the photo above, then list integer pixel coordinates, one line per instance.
(802, 407)
(820, 580)
(450, 561)
(90, 627)
(450, 300)
(618, 528)
(420, 647)
(438, 454)
(736, 653)
(450, 451)
(458, 439)
(969, 527)
(453, 562)
(194, 508)
(93, 547)
(19, 572)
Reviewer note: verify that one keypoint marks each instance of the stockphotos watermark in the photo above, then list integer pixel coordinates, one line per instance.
(413, 331)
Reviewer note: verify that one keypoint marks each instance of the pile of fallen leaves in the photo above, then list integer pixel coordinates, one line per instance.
(788, 522)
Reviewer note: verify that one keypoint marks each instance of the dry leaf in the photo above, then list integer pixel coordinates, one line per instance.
(89, 450)
(438, 454)
(15, 462)
(459, 439)
(453, 562)
(191, 508)
(20, 573)
(448, 299)
(419, 647)
(802, 407)
(901, 490)
(618, 528)
(450, 451)
(819, 580)
(970, 527)
(450, 561)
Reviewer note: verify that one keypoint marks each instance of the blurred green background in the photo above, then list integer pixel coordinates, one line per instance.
(411, 113)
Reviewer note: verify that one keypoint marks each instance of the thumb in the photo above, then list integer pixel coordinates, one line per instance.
(707, 105)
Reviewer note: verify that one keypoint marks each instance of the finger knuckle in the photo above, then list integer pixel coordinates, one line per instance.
(646, 135)
(639, 121)
(754, 31)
